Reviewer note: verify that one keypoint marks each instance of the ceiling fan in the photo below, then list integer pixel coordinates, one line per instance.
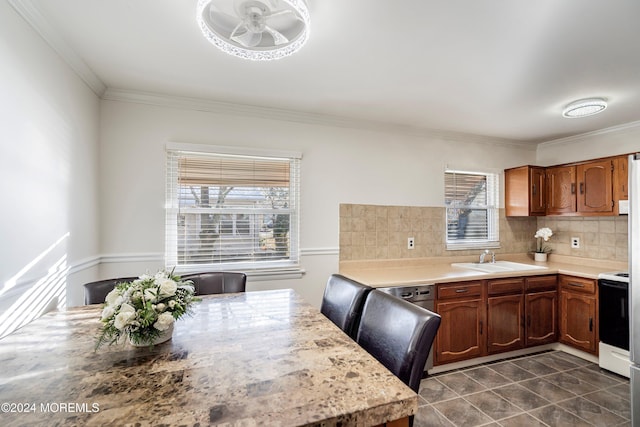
(255, 29)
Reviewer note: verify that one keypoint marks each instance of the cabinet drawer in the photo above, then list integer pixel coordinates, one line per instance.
(505, 286)
(578, 284)
(460, 289)
(541, 283)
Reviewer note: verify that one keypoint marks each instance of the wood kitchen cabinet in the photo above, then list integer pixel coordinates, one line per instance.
(541, 310)
(589, 188)
(620, 178)
(505, 315)
(462, 327)
(525, 191)
(561, 190)
(595, 186)
(578, 313)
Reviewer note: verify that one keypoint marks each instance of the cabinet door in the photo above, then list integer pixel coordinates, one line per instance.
(537, 201)
(461, 334)
(621, 178)
(561, 189)
(524, 191)
(541, 309)
(578, 320)
(595, 186)
(505, 330)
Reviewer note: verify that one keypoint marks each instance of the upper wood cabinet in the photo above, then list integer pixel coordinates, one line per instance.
(561, 190)
(595, 186)
(583, 189)
(620, 178)
(525, 191)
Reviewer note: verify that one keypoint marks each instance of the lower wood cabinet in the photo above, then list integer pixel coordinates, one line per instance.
(579, 313)
(495, 316)
(461, 333)
(541, 323)
(505, 330)
(483, 317)
(461, 336)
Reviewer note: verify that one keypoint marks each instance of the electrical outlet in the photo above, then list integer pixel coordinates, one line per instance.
(410, 243)
(575, 242)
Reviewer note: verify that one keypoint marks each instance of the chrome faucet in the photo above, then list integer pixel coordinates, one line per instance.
(485, 253)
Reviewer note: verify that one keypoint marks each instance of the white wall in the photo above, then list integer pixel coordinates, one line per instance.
(339, 165)
(607, 142)
(48, 147)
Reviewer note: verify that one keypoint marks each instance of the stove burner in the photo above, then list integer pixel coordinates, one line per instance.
(622, 274)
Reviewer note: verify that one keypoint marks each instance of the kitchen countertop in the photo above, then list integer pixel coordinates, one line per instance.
(383, 273)
(247, 359)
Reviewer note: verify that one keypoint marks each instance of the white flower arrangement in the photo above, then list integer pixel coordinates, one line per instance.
(543, 235)
(144, 308)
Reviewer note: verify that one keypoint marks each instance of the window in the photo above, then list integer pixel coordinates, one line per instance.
(471, 201)
(231, 211)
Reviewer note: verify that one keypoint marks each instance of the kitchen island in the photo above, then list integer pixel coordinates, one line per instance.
(255, 358)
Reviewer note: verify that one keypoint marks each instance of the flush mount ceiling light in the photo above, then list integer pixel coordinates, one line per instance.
(584, 107)
(260, 30)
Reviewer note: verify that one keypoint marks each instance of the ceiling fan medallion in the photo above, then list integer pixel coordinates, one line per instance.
(259, 30)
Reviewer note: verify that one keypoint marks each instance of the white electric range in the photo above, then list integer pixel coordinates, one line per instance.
(613, 289)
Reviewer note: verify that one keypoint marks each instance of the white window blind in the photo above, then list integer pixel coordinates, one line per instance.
(229, 211)
(471, 201)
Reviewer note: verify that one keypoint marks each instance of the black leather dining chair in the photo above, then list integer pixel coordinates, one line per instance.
(217, 282)
(399, 334)
(96, 292)
(342, 302)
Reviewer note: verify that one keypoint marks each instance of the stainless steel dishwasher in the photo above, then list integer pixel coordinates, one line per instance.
(420, 295)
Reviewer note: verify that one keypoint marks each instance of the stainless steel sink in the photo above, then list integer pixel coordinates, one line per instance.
(498, 266)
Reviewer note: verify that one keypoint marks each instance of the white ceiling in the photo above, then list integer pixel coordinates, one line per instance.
(498, 68)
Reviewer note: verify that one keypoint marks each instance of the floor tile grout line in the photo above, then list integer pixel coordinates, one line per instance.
(587, 367)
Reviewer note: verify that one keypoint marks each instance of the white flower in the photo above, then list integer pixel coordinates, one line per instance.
(164, 321)
(167, 287)
(150, 294)
(160, 307)
(124, 316)
(112, 296)
(172, 304)
(107, 312)
(544, 233)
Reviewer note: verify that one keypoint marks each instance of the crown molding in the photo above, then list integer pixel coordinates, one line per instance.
(269, 113)
(34, 17)
(625, 127)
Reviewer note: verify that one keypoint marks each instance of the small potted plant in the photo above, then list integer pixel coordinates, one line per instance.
(541, 251)
(144, 310)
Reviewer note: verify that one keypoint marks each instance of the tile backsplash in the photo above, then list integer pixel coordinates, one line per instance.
(370, 232)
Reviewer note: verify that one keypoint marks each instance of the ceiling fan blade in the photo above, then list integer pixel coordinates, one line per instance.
(278, 38)
(233, 33)
(280, 13)
(228, 21)
(248, 39)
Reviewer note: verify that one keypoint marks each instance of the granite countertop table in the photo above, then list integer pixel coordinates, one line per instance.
(255, 358)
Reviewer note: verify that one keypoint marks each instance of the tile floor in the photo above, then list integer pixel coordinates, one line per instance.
(545, 389)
